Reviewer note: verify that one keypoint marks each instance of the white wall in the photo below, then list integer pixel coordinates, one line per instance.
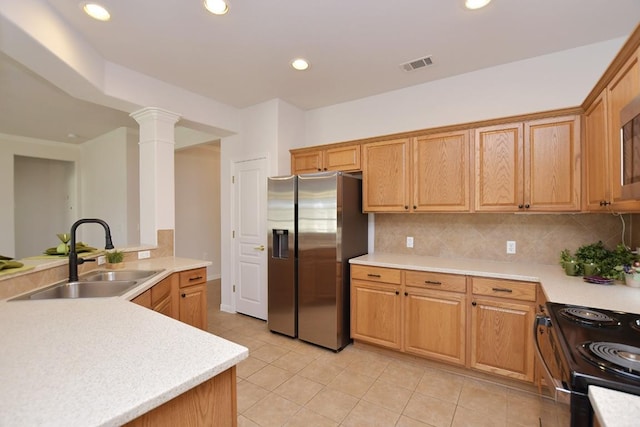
(290, 135)
(44, 191)
(197, 233)
(109, 187)
(548, 82)
(10, 146)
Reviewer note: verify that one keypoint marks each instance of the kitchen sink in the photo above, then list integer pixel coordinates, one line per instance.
(114, 275)
(94, 284)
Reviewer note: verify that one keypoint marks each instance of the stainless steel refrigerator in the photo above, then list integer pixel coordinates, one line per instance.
(315, 225)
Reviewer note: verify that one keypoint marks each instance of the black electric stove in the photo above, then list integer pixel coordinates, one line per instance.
(594, 347)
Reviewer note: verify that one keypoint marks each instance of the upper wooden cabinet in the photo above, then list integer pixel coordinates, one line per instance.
(441, 166)
(601, 133)
(429, 173)
(597, 188)
(386, 176)
(531, 166)
(342, 158)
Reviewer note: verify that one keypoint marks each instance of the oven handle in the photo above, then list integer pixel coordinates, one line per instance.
(559, 393)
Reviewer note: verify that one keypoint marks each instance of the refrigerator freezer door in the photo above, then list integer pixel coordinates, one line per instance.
(331, 229)
(281, 238)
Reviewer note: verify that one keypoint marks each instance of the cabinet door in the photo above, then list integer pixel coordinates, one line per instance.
(435, 324)
(193, 305)
(441, 172)
(144, 299)
(623, 88)
(499, 168)
(164, 307)
(552, 164)
(597, 192)
(376, 313)
(385, 176)
(342, 158)
(502, 337)
(306, 162)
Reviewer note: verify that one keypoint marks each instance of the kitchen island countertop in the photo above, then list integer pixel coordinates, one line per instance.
(557, 286)
(102, 361)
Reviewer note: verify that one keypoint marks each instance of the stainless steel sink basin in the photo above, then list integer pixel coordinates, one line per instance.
(94, 284)
(95, 289)
(111, 275)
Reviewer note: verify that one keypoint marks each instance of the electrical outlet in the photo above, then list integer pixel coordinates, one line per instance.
(144, 254)
(409, 242)
(511, 246)
(102, 259)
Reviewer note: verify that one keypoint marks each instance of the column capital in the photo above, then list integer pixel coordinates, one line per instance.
(156, 114)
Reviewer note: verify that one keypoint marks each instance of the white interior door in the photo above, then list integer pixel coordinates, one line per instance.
(250, 217)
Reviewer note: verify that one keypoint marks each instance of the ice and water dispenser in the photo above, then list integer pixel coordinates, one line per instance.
(280, 243)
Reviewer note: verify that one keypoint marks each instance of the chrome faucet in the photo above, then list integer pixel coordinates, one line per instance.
(73, 255)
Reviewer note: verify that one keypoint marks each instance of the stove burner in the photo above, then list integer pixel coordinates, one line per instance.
(587, 316)
(613, 357)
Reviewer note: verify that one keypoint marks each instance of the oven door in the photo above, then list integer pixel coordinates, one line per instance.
(548, 354)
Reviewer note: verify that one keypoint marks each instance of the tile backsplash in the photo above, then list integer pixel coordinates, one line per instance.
(539, 237)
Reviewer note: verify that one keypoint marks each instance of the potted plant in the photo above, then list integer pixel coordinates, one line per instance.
(569, 263)
(115, 259)
(591, 256)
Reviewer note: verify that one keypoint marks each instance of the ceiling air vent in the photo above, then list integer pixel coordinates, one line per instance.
(417, 63)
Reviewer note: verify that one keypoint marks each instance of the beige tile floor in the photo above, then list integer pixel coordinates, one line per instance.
(286, 382)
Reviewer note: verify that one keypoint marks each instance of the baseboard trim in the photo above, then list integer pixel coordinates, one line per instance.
(227, 308)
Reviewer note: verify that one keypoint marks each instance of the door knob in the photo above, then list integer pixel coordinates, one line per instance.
(259, 248)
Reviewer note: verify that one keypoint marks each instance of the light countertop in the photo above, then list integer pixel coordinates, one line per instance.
(614, 408)
(557, 286)
(101, 361)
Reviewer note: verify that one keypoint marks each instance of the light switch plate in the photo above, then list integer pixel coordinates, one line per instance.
(101, 260)
(144, 254)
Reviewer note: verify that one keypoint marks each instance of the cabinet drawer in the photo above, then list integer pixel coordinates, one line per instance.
(376, 274)
(193, 277)
(160, 290)
(525, 291)
(442, 281)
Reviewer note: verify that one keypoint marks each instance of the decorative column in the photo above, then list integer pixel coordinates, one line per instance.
(157, 186)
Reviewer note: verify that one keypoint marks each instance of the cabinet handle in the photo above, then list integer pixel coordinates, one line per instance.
(183, 295)
(520, 206)
(373, 275)
(397, 292)
(604, 203)
(406, 294)
(527, 206)
(191, 279)
(502, 290)
(415, 207)
(432, 282)
(406, 207)
(474, 303)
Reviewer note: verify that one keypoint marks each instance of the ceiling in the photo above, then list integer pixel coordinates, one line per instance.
(355, 48)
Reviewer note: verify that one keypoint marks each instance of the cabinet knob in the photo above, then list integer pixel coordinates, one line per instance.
(406, 294)
(415, 207)
(527, 206)
(183, 295)
(406, 207)
(474, 303)
(604, 203)
(520, 206)
(397, 292)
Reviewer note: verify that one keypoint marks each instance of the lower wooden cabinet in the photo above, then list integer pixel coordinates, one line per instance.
(435, 324)
(182, 296)
(193, 298)
(480, 323)
(502, 328)
(212, 403)
(376, 313)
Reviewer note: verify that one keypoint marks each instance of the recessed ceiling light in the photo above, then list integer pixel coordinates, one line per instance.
(217, 7)
(476, 4)
(96, 11)
(300, 64)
